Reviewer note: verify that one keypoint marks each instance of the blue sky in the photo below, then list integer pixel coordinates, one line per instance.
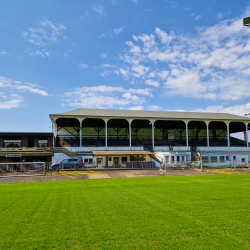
(57, 56)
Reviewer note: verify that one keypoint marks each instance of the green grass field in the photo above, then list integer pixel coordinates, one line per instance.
(177, 212)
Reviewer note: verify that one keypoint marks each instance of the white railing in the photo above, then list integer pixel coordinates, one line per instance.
(171, 148)
(87, 149)
(223, 149)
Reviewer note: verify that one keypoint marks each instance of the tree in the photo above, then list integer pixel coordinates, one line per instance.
(246, 21)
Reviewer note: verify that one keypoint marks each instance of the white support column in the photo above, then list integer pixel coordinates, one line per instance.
(207, 123)
(153, 134)
(106, 133)
(228, 135)
(246, 134)
(54, 130)
(129, 128)
(186, 122)
(80, 121)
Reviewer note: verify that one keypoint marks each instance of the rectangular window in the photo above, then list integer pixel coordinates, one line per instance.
(172, 158)
(178, 158)
(227, 158)
(110, 158)
(88, 161)
(42, 143)
(124, 159)
(183, 158)
(167, 159)
(222, 158)
(12, 143)
(243, 160)
(234, 157)
(205, 159)
(214, 159)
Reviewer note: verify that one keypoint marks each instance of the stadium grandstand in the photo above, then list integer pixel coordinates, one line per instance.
(102, 137)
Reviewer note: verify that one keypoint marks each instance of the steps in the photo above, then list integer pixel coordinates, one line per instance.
(196, 156)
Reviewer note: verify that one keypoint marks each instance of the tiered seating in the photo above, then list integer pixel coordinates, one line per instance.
(234, 142)
(197, 143)
(218, 143)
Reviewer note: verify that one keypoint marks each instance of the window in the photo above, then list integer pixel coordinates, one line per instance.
(12, 143)
(172, 158)
(64, 161)
(234, 157)
(227, 158)
(222, 158)
(167, 159)
(214, 159)
(178, 158)
(205, 159)
(183, 158)
(243, 160)
(42, 143)
(110, 158)
(88, 161)
(124, 159)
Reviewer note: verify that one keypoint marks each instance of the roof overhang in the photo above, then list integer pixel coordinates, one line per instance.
(113, 153)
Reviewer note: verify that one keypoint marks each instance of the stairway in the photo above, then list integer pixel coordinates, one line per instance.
(196, 156)
(156, 158)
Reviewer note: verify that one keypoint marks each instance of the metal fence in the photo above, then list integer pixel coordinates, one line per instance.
(22, 169)
(134, 164)
(183, 165)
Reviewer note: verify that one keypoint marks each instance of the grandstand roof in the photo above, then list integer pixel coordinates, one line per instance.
(112, 113)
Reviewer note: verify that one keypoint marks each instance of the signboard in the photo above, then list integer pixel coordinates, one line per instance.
(14, 155)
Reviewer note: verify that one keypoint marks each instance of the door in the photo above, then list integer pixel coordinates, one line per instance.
(116, 162)
(99, 163)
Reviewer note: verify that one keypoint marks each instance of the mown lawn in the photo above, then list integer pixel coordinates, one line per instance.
(177, 212)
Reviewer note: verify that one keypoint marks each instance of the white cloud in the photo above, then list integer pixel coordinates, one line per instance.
(241, 109)
(43, 34)
(152, 83)
(104, 97)
(220, 15)
(14, 102)
(212, 63)
(104, 55)
(136, 108)
(118, 30)
(197, 17)
(135, 1)
(165, 38)
(3, 52)
(98, 8)
(154, 108)
(83, 66)
(42, 53)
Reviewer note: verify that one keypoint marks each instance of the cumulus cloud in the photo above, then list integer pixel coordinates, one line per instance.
(152, 83)
(136, 108)
(105, 96)
(212, 63)
(154, 108)
(241, 109)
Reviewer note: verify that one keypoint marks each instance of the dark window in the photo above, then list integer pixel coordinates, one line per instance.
(124, 159)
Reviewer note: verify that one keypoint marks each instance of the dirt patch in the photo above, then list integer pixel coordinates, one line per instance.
(78, 175)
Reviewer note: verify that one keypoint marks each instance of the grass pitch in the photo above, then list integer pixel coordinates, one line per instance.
(177, 212)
